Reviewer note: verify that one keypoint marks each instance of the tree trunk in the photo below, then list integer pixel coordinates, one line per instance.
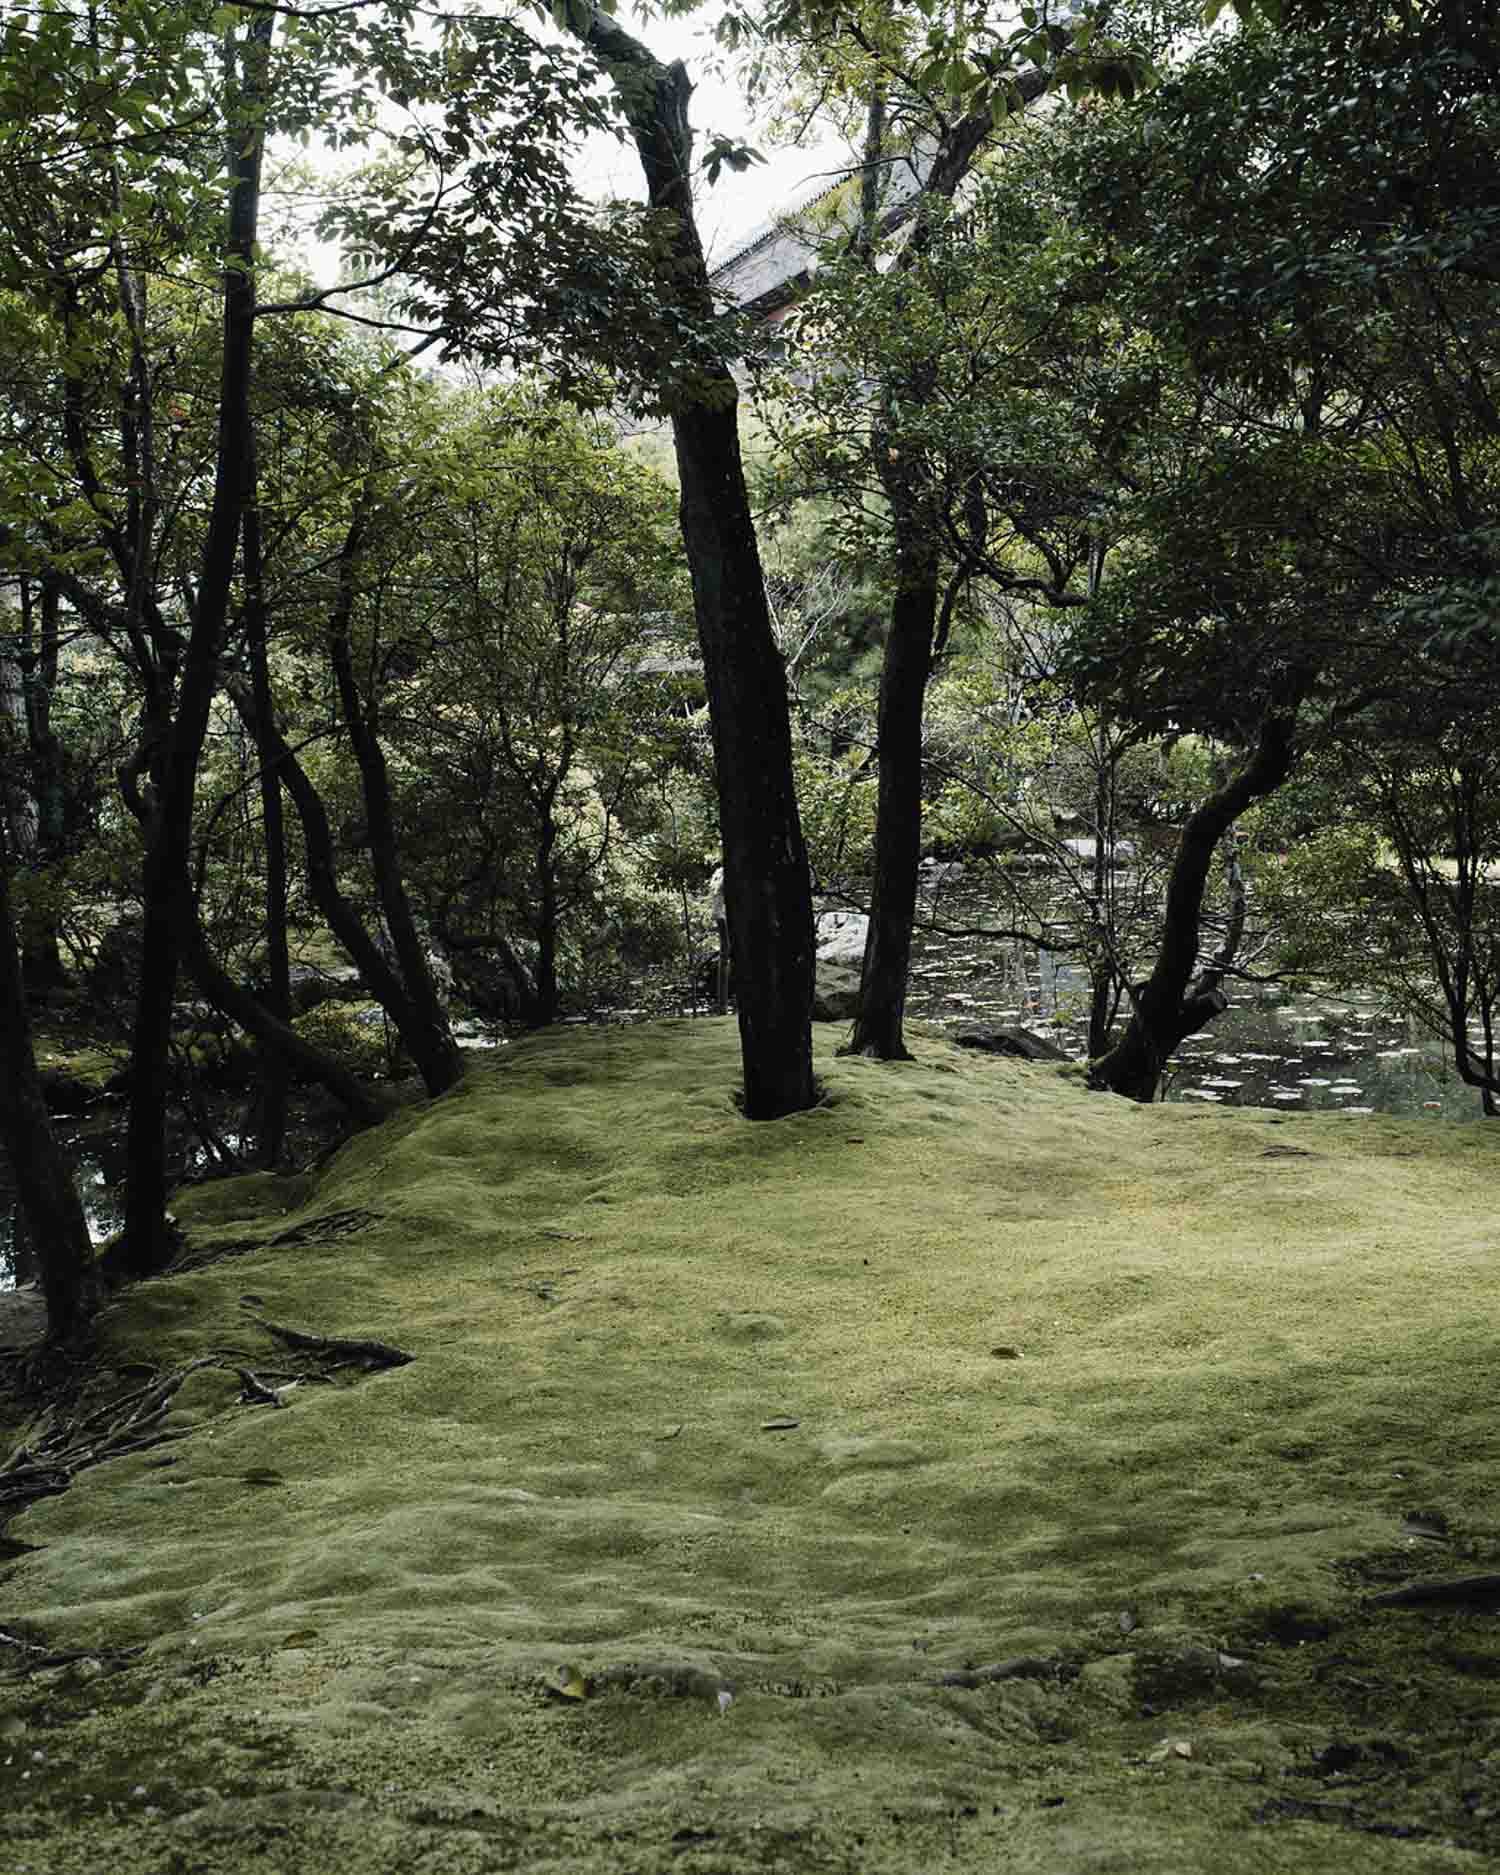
(878, 1028)
(767, 889)
(50, 1204)
(278, 1040)
(147, 1244)
(423, 1025)
(383, 983)
(1170, 1005)
(545, 1008)
(275, 1074)
(34, 804)
(907, 665)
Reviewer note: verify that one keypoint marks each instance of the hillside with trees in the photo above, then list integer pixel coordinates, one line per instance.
(1151, 437)
(439, 607)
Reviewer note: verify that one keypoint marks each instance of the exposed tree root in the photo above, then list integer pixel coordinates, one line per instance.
(325, 1229)
(370, 1355)
(1484, 1590)
(33, 1656)
(1022, 1667)
(63, 1443)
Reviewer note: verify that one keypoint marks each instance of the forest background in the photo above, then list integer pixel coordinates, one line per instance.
(1123, 486)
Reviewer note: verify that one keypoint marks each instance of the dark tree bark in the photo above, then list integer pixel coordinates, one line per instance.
(277, 1038)
(1172, 1004)
(878, 1028)
(768, 893)
(767, 887)
(275, 1073)
(915, 607)
(147, 1245)
(545, 1007)
(383, 982)
(44, 1180)
(423, 1025)
(45, 785)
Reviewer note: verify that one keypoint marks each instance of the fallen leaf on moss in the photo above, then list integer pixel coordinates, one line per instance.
(566, 1682)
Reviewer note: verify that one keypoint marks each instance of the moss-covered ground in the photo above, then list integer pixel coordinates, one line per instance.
(732, 1454)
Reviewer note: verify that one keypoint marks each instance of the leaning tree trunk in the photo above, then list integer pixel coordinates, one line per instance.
(278, 1040)
(1171, 1005)
(147, 1245)
(423, 1024)
(768, 892)
(50, 1204)
(383, 983)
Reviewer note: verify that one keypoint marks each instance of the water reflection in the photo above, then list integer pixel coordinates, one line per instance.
(1297, 1054)
(97, 1148)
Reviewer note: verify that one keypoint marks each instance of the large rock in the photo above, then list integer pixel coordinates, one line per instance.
(117, 963)
(840, 937)
(312, 987)
(1008, 1041)
(67, 1093)
(1084, 846)
(836, 992)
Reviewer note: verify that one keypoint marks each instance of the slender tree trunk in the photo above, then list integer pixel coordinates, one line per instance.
(50, 1204)
(278, 1040)
(37, 830)
(383, 983)
(545, 1010)
(1170, 1005)
(275, 1074)
(147, 1245)
(767, 889)
(423, 1024)
(916, 601)
(1103, 973)
(878, 1028)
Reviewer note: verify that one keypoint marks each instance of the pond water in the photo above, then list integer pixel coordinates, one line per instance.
(1299, 1054)
(96, 1145)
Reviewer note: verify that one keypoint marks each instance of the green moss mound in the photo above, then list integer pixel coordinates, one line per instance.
(970, 1473)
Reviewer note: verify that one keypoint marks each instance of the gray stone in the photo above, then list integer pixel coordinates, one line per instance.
(312, 987)
(840, 937)
(1008, 1040)
(836, 995)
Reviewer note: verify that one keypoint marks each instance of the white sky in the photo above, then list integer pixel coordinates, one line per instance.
(739, 201)
(737, 204)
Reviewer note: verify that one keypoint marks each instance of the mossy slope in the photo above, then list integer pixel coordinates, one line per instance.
(1143, 1395)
